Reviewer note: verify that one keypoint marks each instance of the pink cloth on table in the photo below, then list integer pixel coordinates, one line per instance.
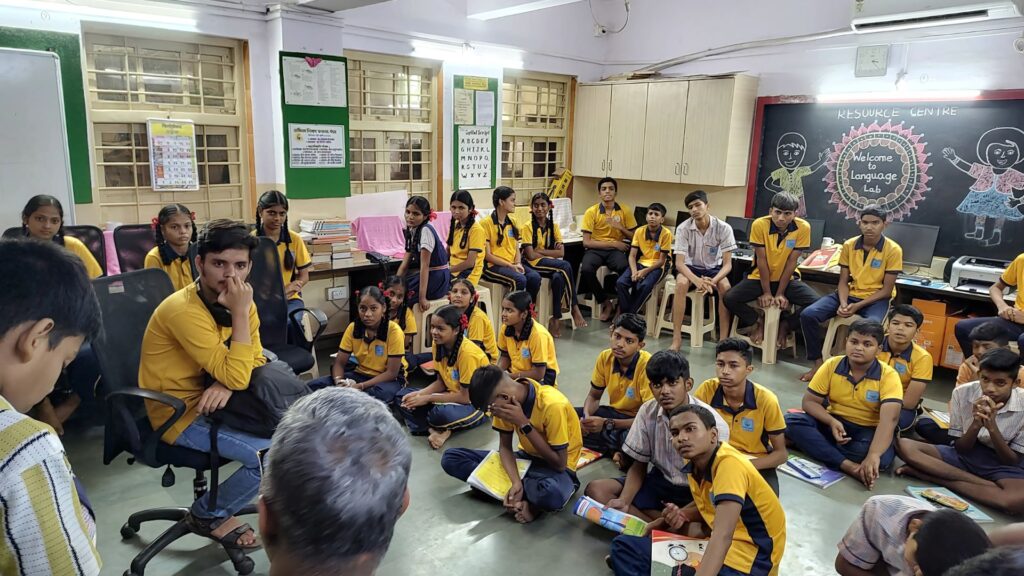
(385, 234)
(113, 266)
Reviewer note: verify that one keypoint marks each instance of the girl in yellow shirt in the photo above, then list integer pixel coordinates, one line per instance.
(525, 347)
(466, 238)
(481, 330)
(542, 245)
(295, 261)
(174, 229)
(400, 313)
(444, 405)
(504, 260)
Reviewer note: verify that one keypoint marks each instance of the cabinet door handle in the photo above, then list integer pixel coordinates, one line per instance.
(609, 165)
(602, 165)
(676, 169)
(686, 167)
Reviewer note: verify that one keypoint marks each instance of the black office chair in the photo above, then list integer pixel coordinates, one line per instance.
(93, 239)
(132, 242)
(268, 294)
(127, 302)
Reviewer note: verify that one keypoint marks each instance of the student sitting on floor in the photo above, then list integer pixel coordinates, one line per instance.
(868, 267)
(607, 230)
(733, 506)
(174, 230)
(549, 436)
(525, 347)
(778, 240)
(400, 313)
(444, 405)
(621, 371)
(756, 424)
(987, 419)
(466, 238)
(503, 259)
(542, 243)
(911, 361)
(201, 344)
(425, 266)
(292, 255)
(1009, 318)
(47, 312)
(655, 477)
(903, 535)
(850, 409)
(481, 331)
(378, 347)
(703, 248)
(983, 337)
(648, 258)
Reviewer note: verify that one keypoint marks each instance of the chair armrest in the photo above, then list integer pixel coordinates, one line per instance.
(317, 314)
(117, 398)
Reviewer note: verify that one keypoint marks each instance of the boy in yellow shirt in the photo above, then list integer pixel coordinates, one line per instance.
(756, 424)
(648, 256)
(911, 361)
(607, 230)
(1009, 318)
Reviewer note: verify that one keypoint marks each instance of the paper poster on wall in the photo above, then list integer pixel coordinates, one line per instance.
(463, 106)
(474, 157)
(484, 109)
(312, 81)
(172, 154)
(316, 146)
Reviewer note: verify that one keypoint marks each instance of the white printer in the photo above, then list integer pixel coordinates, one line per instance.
(976, 275)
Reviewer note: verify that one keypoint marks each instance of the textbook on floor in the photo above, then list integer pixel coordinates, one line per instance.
(490, 477)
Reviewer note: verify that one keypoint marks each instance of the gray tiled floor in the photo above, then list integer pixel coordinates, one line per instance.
(446, 531)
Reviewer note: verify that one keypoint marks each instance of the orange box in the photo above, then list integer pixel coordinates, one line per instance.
(930, 336)
(929, 307)
(952, 355)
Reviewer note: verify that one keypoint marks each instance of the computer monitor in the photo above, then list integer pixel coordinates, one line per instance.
(640, 213)
(817, 232)
(681, 216)
(740, 227)
(917, 241)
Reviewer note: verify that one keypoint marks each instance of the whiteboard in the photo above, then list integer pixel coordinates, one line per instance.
(33, 137)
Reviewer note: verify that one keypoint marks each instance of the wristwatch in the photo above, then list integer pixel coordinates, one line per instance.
(525, 430)
(609, 424)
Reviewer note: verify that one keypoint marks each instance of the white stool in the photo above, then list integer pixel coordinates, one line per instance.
(546, 304)
(595, 311)
(697, 326)
(768, 345)
(833, 329)
(497, 293)
(483, 294)
(422, 339)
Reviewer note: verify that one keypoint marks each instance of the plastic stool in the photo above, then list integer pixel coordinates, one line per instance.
(595, 311)
(833, 328)
(772, 318)
(422, 340)
(698, 326)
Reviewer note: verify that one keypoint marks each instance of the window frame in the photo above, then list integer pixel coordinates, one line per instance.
(512, 134)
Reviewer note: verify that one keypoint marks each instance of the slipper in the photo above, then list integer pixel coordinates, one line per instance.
(230, 540)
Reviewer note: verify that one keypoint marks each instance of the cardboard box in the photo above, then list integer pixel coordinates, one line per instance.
(931, 336)
(930, 307)
(952, 355)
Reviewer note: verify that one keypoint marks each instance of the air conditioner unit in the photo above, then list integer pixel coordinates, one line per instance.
(887, 15)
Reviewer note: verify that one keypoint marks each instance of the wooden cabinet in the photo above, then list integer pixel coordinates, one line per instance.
(678, 131)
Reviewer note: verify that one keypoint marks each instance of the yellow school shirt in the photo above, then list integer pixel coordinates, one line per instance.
(300, 255)
(627, 389)
(457, 376)
(535, 348)
(481, 331)
(752, 424)
(182, 345)
(649, 244)
(760, 536)
(76, 247)
(857, 402)
(778, 244)
(410, 328)
(552, 236)
(553, 416)
(509, 233)
(869, 267)
(594, 221)
(915, 363)
(1014, 276)
(373, 355)
(180, 269)
(457, 254)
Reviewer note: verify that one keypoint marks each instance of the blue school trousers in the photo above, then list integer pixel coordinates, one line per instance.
(563, 285)
(509, 278)
(812, 318)
(633, 295)
(963, 329)
(606, 442)
(447, 416)
(544, 488)
(385, 392)
(814, 439)
(631, 556)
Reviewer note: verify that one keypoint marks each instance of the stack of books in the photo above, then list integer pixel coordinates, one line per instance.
(331, 243)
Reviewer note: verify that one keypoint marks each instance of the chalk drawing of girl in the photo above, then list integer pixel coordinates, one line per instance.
(996, 177)
(790, 151)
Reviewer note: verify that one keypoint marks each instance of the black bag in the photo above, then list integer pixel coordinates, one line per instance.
(257, 410)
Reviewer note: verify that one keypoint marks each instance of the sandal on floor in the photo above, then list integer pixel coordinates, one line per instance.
(230, 540)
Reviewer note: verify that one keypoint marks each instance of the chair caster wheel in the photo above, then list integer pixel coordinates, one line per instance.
(127, 532)
(245, 566)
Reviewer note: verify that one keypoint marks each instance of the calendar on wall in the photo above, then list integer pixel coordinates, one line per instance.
(172, 155)
(473, 121)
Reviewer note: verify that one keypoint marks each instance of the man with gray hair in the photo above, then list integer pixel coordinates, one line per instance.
(334, 484)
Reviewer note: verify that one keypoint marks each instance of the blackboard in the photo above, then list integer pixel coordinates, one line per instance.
(958, 165)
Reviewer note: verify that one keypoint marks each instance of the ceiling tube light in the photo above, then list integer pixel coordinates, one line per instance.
(492, 9)
(102, 14)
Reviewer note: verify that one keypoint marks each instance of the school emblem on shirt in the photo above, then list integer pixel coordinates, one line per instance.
(511, 232)
(712, 250)
(901, 368)
(455, 374)
(378, 350)
(630, 393)
(876, 263)
(872, 396)
(747, 424)
(791, 243)
(525, 353)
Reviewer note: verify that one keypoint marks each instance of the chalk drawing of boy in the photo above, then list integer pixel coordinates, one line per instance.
(790, 151)
(996, 177)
